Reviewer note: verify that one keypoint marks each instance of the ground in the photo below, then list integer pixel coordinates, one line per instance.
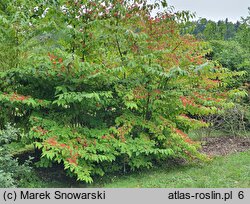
(224, 145)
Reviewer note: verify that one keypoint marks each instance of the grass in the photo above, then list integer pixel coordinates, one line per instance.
(232, 171)
(206, 132)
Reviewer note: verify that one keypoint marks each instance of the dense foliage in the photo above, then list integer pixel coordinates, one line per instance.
(102, 86)
(12, 173)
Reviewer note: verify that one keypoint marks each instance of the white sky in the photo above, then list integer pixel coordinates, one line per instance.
(214, 9)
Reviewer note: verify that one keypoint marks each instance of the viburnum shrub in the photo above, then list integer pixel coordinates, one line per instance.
(116, 89)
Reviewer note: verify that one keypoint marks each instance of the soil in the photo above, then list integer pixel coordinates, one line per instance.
(214, 146)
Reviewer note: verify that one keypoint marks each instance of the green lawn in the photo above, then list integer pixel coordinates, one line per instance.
(223, 172)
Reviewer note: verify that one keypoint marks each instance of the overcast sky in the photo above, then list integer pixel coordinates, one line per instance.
(214, 9)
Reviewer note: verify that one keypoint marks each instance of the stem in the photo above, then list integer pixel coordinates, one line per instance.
(120, 53)
(148, 113)
(17, 48)
(124, 167)
(84, 39)
(176, 46)
(119, 48)
(73, 45)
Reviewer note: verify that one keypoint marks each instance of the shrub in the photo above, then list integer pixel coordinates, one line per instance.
(12, 174)
(119, 91)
